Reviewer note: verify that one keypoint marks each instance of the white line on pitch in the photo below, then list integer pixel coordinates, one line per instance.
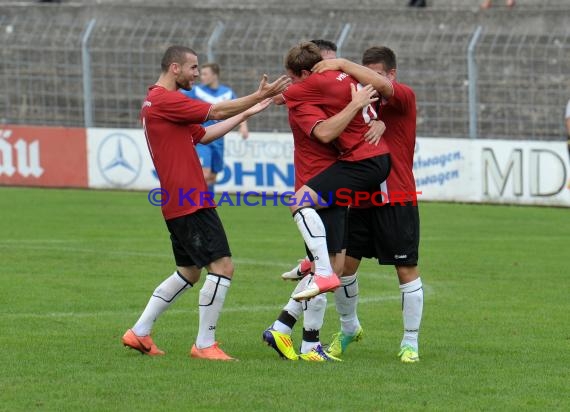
(229, 309)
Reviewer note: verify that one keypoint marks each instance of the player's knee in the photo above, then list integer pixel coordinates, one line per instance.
(223, 266)
(407, 274)
(350, 266)
(189, 273)
(228, 269)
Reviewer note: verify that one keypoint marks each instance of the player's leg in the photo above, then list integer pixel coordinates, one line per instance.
(398, 227)
(314, 309)
(211, 301)
(206, 153)
(278, 335)
(318, 193)
(307, 200)
(324, 189)
(334, 219)
(186, 275)
(346, 301)
(217, 163)
(209, 248)
(412, 307)
(346, 297)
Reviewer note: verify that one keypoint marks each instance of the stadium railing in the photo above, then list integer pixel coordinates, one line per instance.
(54, 71)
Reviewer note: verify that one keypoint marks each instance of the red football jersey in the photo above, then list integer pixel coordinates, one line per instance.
(171, 123)
(399, 115)
(331, 91)
(311, 156)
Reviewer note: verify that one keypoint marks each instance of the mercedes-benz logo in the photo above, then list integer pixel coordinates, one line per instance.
(119, 159)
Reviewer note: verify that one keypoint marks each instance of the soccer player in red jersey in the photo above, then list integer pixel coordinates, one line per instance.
(323, 104)
(321, 156)
(391, 232)
(171, 123)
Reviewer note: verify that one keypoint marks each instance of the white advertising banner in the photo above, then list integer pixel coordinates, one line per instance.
(262, 162)
(521, 171)
(119, 159)
(491, 171)
(444, 170)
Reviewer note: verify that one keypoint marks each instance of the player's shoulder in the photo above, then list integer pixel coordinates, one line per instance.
(293, 89)
(331, 75)
(403, 88)
(158, 94)
(155, 91)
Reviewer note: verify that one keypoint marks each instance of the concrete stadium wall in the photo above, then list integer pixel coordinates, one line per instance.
(521, 97)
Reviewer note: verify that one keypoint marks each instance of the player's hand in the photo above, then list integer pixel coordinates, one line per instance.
(363, 97)
(272, 89)
(244, 131)
(278, 100)
(259, 107)
(328, 64)
(376, 129)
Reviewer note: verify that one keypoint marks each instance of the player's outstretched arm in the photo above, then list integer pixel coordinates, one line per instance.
(363, 74)
(229, 108)
(328, 130)
(219, 129)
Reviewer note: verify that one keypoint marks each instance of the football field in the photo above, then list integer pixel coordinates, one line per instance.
(77, 268)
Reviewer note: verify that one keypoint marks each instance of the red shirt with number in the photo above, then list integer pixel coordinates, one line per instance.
(331, 92)
(171, 123)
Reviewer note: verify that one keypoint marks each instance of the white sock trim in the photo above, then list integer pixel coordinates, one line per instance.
(411, 286)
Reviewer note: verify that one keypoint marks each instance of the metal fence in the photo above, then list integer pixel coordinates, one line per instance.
(470, 81)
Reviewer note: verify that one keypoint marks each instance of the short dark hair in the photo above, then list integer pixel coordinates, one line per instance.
(325, 44)
(175, 54)
(214, 66)
(302, 57)
(376, 55)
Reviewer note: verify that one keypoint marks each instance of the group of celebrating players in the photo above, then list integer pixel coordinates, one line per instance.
(354, 128)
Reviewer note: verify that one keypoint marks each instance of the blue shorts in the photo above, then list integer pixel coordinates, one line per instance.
(212, 155)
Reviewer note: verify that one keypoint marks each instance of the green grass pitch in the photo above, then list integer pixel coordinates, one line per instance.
(77, 268)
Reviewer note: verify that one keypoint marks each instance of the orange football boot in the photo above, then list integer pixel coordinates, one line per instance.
(212, 353)
(143, 344)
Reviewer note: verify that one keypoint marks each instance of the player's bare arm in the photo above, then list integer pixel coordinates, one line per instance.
(218, 130)
(363, 74)
(328, 130)
(229, 108)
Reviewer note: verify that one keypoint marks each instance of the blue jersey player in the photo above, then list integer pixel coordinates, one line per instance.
(210, 90)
